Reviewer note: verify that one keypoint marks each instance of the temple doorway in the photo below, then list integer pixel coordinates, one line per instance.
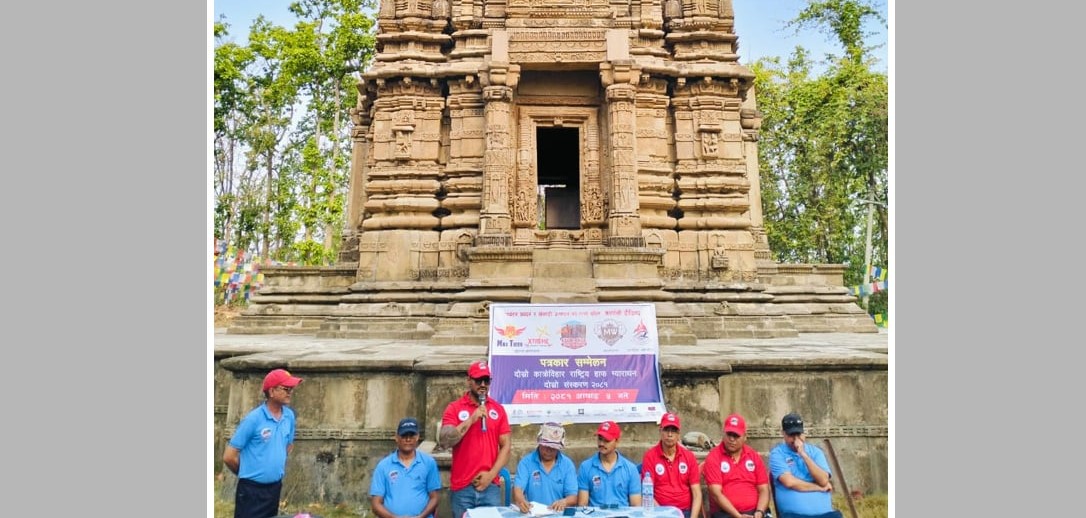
(558, 155)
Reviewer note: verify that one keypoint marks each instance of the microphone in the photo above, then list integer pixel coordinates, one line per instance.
(482, 403)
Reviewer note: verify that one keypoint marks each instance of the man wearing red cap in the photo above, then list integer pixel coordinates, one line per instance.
(608, 479)
(735, 474)
(257, 453)
(477, 429)
(674, 470)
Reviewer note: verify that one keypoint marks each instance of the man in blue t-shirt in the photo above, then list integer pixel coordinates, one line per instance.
(801, 476)
(546, 475)
(257, 453)
(608, 479)
(406, 482)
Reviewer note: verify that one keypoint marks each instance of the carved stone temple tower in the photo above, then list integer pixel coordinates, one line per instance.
(554, 151)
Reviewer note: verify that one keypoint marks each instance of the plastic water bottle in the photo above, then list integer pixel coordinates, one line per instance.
(647, 493)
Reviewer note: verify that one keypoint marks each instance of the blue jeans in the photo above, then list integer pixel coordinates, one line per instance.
(831, 514)
(469, 498)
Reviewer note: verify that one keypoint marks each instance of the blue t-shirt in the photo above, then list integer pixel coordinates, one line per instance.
(406, 490)
(608, 489)
(783, 460)
(263, 443)
(545, 488)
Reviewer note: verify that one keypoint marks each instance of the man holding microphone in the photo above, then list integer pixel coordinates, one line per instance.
(477, 429)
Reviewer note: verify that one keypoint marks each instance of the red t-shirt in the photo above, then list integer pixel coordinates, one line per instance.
(671, 480)
(738, 480)
(476, 451)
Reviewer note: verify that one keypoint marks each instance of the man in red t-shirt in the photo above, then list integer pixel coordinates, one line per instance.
(477, 429)
(675, 477)
(737, 479)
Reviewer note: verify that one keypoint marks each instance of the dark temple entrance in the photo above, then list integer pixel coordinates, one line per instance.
(559, 173)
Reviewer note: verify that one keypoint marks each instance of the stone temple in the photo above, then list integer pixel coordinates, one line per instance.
(546, 151)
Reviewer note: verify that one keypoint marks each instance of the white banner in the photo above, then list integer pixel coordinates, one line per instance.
(577, 363)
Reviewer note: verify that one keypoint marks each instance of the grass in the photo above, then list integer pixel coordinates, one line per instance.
(868, 506)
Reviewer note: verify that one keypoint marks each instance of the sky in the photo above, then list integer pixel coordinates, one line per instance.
(758, 23)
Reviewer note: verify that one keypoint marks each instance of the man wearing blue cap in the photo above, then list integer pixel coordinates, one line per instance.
(801, 475)
(406, 482)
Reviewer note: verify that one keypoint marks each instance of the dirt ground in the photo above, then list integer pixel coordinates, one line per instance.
(225, 313)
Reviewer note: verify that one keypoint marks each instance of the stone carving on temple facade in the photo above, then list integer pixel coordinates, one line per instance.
(710, 138)
(440, 9)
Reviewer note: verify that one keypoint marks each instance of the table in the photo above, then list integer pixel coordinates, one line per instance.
(661, 511)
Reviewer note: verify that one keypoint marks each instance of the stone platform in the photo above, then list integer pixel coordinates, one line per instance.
(356, 390)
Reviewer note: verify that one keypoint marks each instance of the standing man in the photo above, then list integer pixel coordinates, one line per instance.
(257, 453)
(801, 476)
(736, 476)
(477, 429)
(674, 470)
(546, 475)
(406, 482)
(608, 479)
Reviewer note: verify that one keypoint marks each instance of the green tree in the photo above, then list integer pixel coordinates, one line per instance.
(231, 104)
(326, 52)
(273, 94)
(824, 146)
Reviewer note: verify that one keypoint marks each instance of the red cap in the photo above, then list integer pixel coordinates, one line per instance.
(609, 430)
(280, 377)
(735, 424)
(669, 419)
(479, 369)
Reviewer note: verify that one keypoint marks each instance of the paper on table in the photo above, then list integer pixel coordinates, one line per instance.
(538, 509)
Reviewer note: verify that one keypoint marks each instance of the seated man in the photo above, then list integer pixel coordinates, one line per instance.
(674, 470)
(546, 475)
(735, 474)
(406, 482)
(608, 479)
(801, 476)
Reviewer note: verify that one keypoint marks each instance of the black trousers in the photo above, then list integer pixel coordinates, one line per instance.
(256, 500)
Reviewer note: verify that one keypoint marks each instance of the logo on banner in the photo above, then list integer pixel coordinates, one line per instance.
(510, 331)
(574, 335)
(541, 337)
(641, 332)
(610, 331)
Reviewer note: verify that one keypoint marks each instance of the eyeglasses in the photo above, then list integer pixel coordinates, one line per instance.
(481, 381)
(288, 390)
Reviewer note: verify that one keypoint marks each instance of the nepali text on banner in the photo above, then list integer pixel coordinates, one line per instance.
(576, 363)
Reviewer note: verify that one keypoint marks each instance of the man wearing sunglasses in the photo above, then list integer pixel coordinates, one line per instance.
(477, 429)
(257, 453)
(736, 476)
